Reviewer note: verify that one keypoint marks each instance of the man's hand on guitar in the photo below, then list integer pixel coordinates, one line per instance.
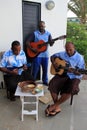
(51, 42)
(34, 50)
(25, 67)
(13, 72)
(72, 70)
(56, 67)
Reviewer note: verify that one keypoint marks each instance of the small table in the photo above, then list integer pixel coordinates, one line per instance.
(28, 94)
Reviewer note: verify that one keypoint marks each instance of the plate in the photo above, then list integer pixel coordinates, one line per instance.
(37, 89)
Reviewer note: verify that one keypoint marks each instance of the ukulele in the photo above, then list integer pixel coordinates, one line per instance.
(15, 67)
(40, 46)
(63, 67)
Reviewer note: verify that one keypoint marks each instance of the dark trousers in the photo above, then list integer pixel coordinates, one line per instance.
(11, 81)
(37, 63)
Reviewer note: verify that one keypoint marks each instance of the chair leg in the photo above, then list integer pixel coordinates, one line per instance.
(2, 85)
(71, 100)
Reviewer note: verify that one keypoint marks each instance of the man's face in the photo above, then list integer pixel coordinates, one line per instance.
(70, 49)
(16, 49)
(42, 27)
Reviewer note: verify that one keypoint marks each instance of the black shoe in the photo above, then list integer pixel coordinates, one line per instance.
(12, 97)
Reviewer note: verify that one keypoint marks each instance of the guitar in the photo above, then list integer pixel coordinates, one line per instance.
(20, 67)
(63, 67)
(40, 46)
(14, 67)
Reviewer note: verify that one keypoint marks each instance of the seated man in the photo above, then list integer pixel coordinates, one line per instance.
(14, 66)
(67, 77)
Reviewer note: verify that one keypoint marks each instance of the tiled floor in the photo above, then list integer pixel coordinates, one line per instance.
(71, 117)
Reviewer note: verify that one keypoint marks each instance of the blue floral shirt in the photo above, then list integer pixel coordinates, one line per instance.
(10, 60)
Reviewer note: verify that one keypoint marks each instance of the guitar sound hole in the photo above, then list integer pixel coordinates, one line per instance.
(58, 68)
(39, 46)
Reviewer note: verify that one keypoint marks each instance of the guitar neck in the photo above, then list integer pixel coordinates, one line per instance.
(20, 67)
(81, 71)
(55, 39)
(14, 67)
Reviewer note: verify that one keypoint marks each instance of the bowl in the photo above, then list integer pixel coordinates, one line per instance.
(27, 86)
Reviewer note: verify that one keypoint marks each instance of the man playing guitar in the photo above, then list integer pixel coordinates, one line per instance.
(42, 58)
(62, 85)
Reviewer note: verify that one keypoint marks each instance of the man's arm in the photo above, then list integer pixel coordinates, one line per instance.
(11, 72)
(50, 40)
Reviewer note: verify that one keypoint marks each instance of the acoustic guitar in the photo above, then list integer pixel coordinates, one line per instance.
(63, 66)
(40, 46)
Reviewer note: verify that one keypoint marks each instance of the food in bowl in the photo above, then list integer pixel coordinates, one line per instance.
(31, 86)
(37, 89)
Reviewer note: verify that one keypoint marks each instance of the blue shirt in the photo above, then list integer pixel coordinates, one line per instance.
(10, 60)
(74, 61)
(45, 37)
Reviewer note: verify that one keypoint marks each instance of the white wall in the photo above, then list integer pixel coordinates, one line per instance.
(11, 22)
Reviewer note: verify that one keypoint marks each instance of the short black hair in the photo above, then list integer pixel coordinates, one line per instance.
(15, 43)
(40, 22)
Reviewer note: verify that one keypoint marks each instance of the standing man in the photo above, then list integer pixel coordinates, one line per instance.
(63, 84)
(42, 58)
